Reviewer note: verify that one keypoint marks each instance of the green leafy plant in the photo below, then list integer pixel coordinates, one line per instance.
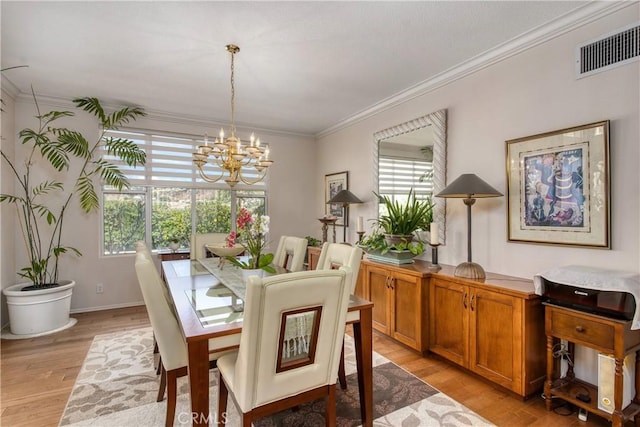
(312, 241)
(375, 242)
(41, 224)
(405, 218)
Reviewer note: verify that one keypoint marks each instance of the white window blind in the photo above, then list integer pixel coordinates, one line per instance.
(170, 162)
(396, 176)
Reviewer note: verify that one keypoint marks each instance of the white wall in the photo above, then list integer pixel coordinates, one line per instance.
(531, 93)
(290, 205)
(7, 215)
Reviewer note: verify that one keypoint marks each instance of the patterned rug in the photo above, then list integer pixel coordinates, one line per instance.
(117, 386)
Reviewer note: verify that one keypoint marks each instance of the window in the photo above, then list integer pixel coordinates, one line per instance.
(397, 176)
(168, 199)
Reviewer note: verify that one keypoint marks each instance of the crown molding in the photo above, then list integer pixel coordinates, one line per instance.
(563, 24)
(9, 88)
(157, 115)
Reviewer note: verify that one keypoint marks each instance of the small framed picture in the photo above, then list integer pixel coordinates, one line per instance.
(558, 187)
(333, 184)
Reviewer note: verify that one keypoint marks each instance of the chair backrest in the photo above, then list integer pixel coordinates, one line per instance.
(336, 255)
(292, 335)
(171, 343)
(290, 253)
(200, 239)
(141, 247)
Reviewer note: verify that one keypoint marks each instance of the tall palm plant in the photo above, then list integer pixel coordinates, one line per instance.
(41, 224)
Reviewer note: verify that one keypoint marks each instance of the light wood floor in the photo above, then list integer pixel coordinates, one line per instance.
(37, 376)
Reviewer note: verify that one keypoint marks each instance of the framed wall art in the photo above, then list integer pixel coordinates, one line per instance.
(558, 187)
(333, 184)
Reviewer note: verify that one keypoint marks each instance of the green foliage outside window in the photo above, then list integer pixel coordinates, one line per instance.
(171, 216)
(123, 222)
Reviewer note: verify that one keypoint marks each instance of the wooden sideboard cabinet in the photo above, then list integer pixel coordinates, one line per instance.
(173, 256)
(606, 335)
(313, 255)
(494, 328)
(399, 295)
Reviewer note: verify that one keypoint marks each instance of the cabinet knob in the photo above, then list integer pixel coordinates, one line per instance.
(464, 300)
(580, 328)
(472, 297)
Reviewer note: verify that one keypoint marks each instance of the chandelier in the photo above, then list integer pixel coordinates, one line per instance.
(230, 155)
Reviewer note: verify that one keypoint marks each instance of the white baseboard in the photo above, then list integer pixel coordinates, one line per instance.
(106, 307)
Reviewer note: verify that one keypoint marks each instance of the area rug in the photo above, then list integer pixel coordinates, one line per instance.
(117, 386)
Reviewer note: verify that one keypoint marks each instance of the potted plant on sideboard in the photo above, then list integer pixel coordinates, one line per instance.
(42, 197)
(392, 238)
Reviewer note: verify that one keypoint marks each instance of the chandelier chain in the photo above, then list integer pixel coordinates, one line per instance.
(233, 95)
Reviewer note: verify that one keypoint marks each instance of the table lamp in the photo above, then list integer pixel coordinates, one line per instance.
(469, 187)
(345, 198)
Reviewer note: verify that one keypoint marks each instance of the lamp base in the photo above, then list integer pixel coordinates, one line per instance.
(469, 270)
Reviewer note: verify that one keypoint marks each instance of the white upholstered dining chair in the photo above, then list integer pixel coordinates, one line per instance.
(199, 240)
(168, 336)
(336, 255)
(290, 253)
(289, 346)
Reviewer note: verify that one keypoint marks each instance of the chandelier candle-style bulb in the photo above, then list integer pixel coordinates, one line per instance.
(232, 158)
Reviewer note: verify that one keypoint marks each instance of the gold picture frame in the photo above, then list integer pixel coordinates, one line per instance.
(558, 187)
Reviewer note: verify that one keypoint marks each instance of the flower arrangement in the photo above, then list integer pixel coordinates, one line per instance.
(251, 233)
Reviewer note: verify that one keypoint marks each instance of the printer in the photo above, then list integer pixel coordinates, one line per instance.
(608, 293)
(615, 304)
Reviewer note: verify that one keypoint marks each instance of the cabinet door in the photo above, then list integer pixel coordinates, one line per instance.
(406, 310)
(378, 281)
(449, 320)
(496, 337)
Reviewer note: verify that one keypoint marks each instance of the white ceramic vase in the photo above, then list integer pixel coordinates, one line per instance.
(251, 272)
(40, 311)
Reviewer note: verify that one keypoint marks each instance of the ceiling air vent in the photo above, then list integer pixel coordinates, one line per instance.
(609, 51)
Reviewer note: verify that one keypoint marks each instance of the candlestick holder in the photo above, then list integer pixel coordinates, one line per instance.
(360, 235)
(434, 257)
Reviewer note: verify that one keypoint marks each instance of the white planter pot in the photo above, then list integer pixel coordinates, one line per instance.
(41, 311)
(246, 273)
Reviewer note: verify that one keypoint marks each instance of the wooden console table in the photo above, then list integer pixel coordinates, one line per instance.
(603, 334)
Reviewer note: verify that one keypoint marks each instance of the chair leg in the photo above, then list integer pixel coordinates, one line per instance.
(342, 377)
(172, 391)
(159, 368)
(330, 407)
(163, 383)
(223, 392)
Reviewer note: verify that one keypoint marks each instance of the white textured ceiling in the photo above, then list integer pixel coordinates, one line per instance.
(303, 66)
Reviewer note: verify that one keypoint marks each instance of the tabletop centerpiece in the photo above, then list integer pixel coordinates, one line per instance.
(251, 234)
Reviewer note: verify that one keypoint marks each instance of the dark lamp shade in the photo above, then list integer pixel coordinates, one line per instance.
(469, 185)
(345, 197)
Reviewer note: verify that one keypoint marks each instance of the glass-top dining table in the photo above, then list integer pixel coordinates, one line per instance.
(209, 306)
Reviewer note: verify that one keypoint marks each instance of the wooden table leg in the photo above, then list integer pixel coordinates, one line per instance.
(363, 338)
(617, 418)
(550, 371)
(199, 381)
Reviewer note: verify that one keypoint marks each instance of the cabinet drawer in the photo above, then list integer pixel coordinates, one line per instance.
(577, 329)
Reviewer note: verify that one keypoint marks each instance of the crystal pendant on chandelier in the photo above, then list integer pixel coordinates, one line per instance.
(230, 154)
